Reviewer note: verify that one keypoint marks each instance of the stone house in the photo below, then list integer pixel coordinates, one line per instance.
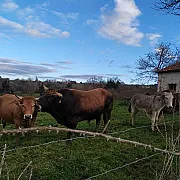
(169, 78)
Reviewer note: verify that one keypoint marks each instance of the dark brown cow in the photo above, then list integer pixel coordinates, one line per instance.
(77, 105)
(21, 111)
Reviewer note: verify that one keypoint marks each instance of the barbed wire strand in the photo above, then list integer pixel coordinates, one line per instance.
(108, 137)
(88, 137)
(51, 142)
(122, 166)
(140, 127)
(47, 143)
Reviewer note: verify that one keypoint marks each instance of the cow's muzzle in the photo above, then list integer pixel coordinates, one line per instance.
(28, 116)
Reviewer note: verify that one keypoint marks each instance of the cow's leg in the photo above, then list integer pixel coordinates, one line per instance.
(33, 121)
(98, 119)
(17, 126)
(107, 113)
(3, 123)
(153, 119)
(89, 122)
(73, 121)
(69, 135)
(69, 138)
(106, 119)
(134, 111)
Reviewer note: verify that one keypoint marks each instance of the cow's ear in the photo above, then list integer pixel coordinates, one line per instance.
(58, 98)
(45, 88)
(16, 102)
(37, 106)
(20, 101)
(163, 96)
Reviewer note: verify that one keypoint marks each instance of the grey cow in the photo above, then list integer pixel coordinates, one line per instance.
(151, 104)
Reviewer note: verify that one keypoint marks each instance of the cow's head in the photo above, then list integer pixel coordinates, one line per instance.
(29, 106)
(168, 98)
(50, 98)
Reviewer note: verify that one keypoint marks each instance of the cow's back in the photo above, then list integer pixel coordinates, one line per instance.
(84, 102)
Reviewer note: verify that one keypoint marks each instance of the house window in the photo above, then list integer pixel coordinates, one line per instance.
(172, 87)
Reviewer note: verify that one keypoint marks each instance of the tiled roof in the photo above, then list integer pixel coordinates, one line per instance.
(173, 67)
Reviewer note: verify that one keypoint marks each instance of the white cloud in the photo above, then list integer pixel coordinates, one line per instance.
(65, 34)
(9, 5)
(10, 24)
(5, 36)
(36, 29)
(153, 37)
(26, 13)
(91, 22)
(66, 16)
(16, 68)
(41, 29)
(121, 23)
(36, 33)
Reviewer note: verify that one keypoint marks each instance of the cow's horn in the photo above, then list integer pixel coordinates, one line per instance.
(45, 88)
(59, 94)
(18, 96)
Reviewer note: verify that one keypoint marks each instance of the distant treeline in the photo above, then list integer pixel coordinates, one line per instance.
(29, 86)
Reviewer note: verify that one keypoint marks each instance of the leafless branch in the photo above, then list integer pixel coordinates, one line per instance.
(24, 170)
(163, 55)
(3, 158)
(106, 127)
(168, 6)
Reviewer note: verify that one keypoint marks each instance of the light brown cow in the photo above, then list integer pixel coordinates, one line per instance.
(21, 111)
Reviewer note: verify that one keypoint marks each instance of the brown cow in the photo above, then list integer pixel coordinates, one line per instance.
(70, 106)
(21, 111)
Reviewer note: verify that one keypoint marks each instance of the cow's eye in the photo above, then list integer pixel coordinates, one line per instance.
(23, 105)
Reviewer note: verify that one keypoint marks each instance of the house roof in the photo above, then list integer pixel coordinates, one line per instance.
(173, 67)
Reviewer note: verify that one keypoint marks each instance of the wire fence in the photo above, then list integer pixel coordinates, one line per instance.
(128, 164)
(66, 140)
(92, 135)
(107, 137)
(141, 127)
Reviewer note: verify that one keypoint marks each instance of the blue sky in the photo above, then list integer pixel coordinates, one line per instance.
(79, 39)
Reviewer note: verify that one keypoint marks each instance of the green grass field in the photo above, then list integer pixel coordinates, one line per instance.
(87, 157)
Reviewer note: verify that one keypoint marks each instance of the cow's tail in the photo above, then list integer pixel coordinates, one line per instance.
(129, 109)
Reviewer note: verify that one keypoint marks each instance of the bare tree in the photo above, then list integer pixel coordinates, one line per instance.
(95, 80)
(113, 82)
(6, 85)
(168, 6)
(148, 66)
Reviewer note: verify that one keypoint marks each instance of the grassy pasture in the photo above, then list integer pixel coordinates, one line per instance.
(87, 157)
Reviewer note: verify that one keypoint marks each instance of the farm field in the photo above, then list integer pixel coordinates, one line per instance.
(51, 158)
